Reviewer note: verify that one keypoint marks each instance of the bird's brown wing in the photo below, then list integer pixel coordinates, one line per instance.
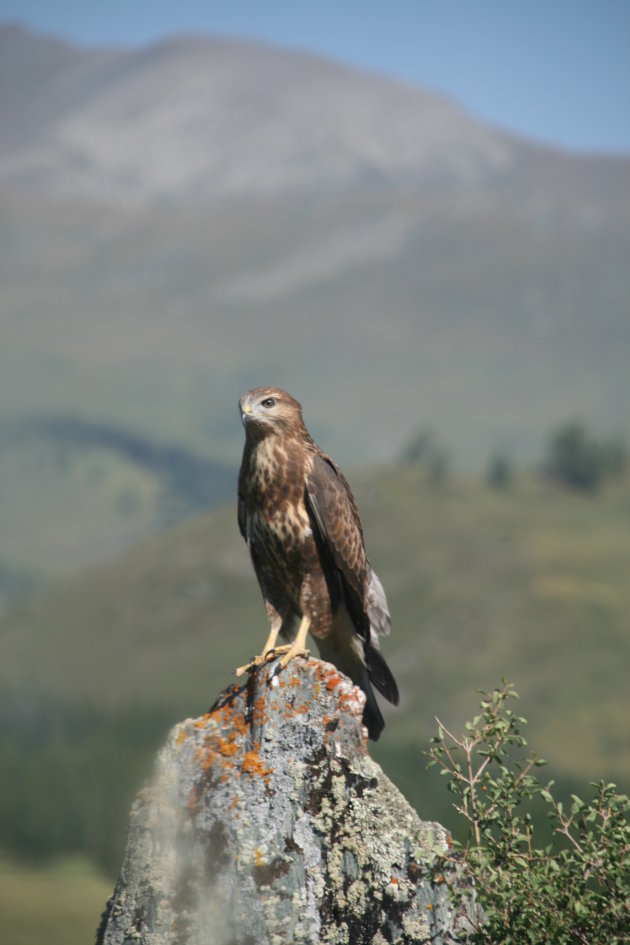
(336, 516)
(241, 510)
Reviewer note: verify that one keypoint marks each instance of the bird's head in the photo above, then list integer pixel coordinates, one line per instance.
(269, 410)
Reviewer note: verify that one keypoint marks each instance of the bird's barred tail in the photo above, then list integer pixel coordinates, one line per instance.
(378, 674)
(381, 675)
(372, 718)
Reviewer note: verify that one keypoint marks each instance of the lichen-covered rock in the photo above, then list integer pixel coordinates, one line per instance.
(267, 822)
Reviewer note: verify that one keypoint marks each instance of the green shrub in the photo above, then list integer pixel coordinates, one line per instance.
(575, 890)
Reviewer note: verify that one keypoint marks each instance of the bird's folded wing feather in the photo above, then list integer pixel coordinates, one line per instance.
(376, 607)
(242, 525)
(337, 519)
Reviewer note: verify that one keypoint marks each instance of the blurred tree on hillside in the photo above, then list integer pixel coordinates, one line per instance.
(427, 450)
(499, 473)
(576, 458)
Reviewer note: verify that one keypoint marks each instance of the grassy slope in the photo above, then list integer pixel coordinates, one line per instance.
(57, 904)
(71, 498)
(530, 584)
(62, 507)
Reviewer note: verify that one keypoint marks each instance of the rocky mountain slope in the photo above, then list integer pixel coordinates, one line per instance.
(199, 119)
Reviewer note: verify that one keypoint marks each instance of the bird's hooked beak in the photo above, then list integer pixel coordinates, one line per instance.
(246, 412)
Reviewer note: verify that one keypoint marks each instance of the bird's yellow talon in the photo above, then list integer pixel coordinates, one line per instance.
(284, 662)
(267, 656)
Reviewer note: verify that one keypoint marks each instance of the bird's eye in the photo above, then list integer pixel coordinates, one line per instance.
(268, 402)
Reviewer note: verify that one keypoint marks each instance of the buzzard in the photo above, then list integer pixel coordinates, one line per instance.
(301, 523)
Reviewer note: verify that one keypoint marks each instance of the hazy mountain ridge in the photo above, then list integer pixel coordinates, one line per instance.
(393, 263)
(41, 80)
(193, 118)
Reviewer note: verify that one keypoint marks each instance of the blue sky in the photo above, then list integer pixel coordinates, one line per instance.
(554, 70)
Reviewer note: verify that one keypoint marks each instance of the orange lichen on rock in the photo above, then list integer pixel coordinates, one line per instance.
(228, 747)
(301, 709)
(295, 681)
(226, 750)
(333, 681)
(260, 713)
(254, 766)
(234, 729)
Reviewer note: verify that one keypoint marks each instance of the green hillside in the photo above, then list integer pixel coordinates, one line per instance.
(74, 493)
(482, 318)
(56, 904)
(529, 583)
(461, 309)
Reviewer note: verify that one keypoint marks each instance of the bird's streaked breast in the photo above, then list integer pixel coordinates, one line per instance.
(275, 506)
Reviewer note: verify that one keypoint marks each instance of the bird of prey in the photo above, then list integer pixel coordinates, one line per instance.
(301, 522)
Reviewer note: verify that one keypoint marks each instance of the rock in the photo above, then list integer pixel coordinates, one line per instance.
(267, 822)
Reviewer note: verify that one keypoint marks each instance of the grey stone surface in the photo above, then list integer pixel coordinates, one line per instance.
(267, 823)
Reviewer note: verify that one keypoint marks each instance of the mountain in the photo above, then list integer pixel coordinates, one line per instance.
(184, 221)
(201, 120)
(195, 119)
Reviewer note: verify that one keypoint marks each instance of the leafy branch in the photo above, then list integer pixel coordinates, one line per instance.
(577, 889)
